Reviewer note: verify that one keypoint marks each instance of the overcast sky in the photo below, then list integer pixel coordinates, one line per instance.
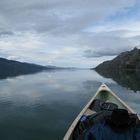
(80, 33)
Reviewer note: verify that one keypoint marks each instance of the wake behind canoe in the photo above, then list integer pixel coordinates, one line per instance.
(101, 105)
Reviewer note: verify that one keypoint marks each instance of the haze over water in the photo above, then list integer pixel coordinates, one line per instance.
(43, 105)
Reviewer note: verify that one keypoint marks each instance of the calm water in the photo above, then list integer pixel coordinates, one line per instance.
(43, 105)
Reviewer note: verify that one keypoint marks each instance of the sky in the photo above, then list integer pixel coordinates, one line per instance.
(71, 33)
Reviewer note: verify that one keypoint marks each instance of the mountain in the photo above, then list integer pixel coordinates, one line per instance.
(124, 69)
(129, 60)
(10, 68)
(61, 68)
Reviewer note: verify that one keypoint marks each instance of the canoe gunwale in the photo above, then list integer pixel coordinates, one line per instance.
(103, 87)
(71, 128)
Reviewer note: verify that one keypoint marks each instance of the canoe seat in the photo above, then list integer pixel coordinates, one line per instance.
(89, 112)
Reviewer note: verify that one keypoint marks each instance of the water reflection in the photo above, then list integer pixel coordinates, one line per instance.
(43, 105)
(128, 79)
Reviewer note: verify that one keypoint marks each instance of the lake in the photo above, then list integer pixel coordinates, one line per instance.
(42, 106)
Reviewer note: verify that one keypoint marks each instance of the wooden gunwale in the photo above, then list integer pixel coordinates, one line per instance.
(103, 87)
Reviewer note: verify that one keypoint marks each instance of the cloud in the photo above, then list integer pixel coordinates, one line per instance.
(66, 32)
(41, 49)
(84, 50)
(111, 43)
(6, 33)
(57, 15)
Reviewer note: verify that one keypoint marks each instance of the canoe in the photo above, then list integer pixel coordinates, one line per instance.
(103, 100)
